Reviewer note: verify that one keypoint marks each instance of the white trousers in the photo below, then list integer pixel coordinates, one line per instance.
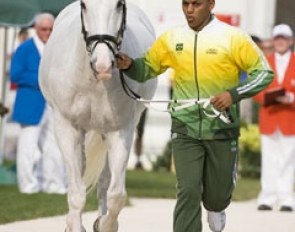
(54, 172)
(277, 177)
(28, 160)
(40, 165)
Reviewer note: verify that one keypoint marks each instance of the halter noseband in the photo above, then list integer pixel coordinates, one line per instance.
(93, 40)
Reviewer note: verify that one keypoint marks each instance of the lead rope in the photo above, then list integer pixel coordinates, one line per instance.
(185, 103)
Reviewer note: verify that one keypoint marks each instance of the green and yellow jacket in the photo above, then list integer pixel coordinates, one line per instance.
(205, 63)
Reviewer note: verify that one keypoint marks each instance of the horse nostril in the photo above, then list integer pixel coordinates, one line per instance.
(113, 63)
(92, 65)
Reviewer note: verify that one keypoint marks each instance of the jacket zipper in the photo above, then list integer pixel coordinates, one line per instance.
(197, 83)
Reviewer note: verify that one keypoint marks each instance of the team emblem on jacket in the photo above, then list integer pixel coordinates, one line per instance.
(179, 47)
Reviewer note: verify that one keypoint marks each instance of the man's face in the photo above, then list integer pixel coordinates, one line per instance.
(43, 29)
(282, 44)
(197, 12)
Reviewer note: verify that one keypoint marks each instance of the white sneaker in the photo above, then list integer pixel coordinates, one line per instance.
(216, 220)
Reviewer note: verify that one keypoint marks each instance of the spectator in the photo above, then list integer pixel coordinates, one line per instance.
(257, 40)
(29, 112)
(277, 127)
(22, 36)
(267, 47)
(207, 57)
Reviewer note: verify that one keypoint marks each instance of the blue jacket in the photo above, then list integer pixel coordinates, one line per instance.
(29, 103)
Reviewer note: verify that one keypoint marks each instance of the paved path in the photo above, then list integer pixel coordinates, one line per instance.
(155, 215)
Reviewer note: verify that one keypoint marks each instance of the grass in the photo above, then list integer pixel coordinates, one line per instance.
(150, 184)
(15, 206)
(246, 189)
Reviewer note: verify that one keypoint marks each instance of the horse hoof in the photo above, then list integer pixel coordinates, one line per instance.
(96, 225)
(82, 230)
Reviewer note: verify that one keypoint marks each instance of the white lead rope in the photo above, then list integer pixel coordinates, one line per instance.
(186, 103)
(225, 116)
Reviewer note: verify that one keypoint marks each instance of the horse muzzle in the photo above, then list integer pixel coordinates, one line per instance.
(101, 71)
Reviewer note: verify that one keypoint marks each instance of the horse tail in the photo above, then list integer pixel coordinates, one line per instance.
(96, 152)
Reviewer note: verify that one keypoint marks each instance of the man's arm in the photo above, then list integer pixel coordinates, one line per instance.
(155, 61)
(135, 69)
(19, 74)
(250, 58)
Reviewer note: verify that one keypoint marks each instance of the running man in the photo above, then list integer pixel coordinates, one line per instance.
(207, 57)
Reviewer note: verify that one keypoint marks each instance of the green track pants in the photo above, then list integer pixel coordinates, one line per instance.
(205, 171)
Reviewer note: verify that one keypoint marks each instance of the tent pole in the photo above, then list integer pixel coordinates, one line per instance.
(3, 83)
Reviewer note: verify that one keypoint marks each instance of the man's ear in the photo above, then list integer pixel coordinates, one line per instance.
(212, 4)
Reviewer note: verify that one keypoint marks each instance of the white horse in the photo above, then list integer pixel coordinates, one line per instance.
(79, 81)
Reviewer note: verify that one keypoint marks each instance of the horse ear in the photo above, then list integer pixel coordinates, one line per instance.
(83, 5)
(121, 3)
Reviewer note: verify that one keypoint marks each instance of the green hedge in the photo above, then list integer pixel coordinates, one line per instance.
(163, 162)
(249, 151)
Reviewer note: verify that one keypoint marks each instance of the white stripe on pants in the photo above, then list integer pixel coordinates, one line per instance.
(277, 176)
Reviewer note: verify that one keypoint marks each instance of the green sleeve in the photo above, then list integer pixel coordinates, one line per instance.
(140, 71)
(251, 60)
(256, 82)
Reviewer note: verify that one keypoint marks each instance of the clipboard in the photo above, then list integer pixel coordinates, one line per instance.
(270, 96)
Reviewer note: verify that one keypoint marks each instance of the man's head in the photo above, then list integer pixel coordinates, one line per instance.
(23, 35)
(197, 12)
(282, 38)
(43, 26)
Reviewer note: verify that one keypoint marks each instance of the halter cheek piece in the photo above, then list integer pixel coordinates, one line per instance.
(93, 40)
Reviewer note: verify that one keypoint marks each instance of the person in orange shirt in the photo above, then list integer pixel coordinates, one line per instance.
(277, 127)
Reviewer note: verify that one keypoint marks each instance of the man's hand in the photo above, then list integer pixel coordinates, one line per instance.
(222, 101)
(123, 61)
(3, 110)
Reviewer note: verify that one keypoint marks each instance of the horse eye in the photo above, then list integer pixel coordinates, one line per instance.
(83, 6)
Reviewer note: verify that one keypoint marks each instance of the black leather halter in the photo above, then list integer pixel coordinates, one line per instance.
(93, 40)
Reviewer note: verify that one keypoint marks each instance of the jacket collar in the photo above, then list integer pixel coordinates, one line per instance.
(39, 44)
(212, 23)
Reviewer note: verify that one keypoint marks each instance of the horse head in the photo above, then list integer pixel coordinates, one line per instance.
(103, 24)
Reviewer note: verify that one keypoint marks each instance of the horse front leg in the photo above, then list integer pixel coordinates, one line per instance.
(118, 151)
(71, 142)
(103, 185)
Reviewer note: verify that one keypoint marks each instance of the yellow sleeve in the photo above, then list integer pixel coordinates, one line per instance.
(158, 57)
